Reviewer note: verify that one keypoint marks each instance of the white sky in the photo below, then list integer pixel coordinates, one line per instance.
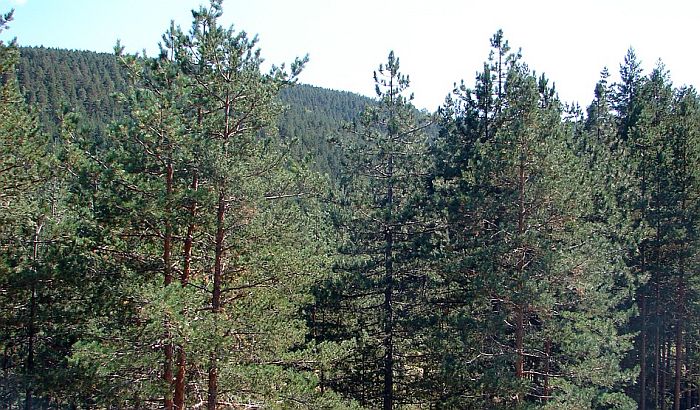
(439, 42)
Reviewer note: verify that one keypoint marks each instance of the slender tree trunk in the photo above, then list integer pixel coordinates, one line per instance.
(6, 371)
(519, 336)
(643, 302)
(363, 379)
(168, 237)
(657, 346)
(689, 370)
(520, 309)
(680, 303)
(31, 328)
(167, 280)
(168, 374)
(500, 75)
(548, 353)
(189, 238)
(180, 377)
(666, 371)
(179, 401)
(212, 386)
(314, 324)
(656, 277)
(643, 353)
(679, 344)
(388, 294)
(219, 249)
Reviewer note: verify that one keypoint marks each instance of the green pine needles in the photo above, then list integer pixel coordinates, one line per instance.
(188, 231)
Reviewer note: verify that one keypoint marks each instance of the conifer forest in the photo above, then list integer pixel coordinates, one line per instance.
(189, 231)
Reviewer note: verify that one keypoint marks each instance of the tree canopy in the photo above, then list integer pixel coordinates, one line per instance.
(188, 230)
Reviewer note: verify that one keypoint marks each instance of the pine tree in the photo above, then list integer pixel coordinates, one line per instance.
(39, 312)
(383, 231)
(197, 172)
(663, 185)
(522, 257)
(21, 179)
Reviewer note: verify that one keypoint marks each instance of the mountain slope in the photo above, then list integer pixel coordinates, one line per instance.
(54, 81)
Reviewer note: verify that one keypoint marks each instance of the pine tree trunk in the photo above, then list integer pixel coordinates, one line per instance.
(388, 294)
(168, 237)
(657, 346)
(689, 371)
(643, 354)
(6, 371)
(168, 373)
(519, 336)
(667, 369)
(219, 250)
(212, 385)
(189, 238)
(31, 328)
(679, 345)
(314, 326)
(680, 310)
(179, 399)
(547, 353)
(167, 280)
(656, 277)
(643, 302)
(520, 314)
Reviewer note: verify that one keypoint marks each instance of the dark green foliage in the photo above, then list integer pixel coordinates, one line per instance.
(85, 82)
(531, 296)
(381, 272)
(163, 242)
(207, 217)
(314, 116)
(54, 81)
(659, 150)
(42, 304)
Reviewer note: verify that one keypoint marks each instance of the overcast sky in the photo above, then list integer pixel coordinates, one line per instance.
(439, 42)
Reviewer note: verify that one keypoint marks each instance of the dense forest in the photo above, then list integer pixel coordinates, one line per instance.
(58, 82)
(188, 231)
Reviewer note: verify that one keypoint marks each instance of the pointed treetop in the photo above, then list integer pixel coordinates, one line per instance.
(498, 42)
(389, 82)
(4, 20)
(630, 69)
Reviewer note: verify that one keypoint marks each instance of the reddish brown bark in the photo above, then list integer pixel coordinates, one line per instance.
(519, 336)
(179, 399)
(212, 384)
(189, 238)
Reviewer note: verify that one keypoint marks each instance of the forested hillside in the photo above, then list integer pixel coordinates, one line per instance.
(187, 231)
(56, 82)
